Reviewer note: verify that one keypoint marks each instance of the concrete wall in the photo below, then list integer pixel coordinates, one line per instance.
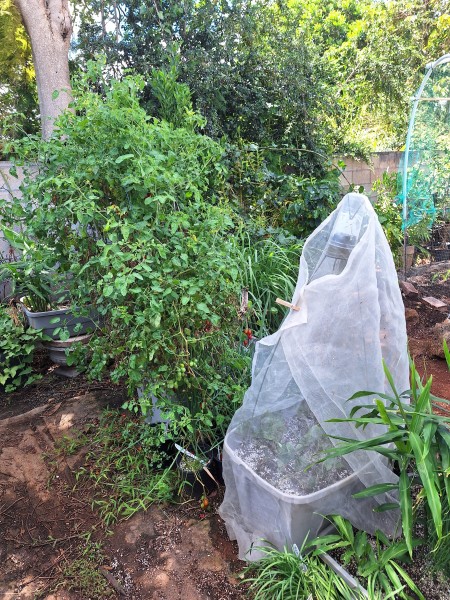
(360, 173)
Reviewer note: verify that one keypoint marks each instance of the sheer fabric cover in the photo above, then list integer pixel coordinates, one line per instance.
(351, 318)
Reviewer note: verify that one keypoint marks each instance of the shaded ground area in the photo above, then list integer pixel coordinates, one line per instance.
(166, 553)
(428, 326)
(49, 533)
(53, 388)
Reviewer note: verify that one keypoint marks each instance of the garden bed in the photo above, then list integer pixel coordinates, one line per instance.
(49, 531)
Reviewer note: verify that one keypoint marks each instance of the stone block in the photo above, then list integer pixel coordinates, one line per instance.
(435, 303)
(408, 289)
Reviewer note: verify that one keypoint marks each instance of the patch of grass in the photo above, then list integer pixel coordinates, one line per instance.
(82, 575)
(286, 575)
(69, 445)
(126, 466)
(268, 270)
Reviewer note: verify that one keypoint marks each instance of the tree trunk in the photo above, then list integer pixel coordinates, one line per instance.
(49, 25)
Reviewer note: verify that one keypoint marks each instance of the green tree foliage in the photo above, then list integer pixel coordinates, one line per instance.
(18, 95)
(249, 73)
(373, 54)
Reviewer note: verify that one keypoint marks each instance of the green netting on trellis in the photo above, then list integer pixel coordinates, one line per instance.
(424, 173)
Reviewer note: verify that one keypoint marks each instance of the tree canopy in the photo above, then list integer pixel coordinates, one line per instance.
(18, 95)
(326, 76)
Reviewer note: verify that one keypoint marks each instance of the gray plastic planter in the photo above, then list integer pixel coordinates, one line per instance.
(51, 320)
(57, 353)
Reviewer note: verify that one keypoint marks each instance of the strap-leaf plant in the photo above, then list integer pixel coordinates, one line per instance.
(417, 441)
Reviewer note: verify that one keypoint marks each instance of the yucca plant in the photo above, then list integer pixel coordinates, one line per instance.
(418, 443)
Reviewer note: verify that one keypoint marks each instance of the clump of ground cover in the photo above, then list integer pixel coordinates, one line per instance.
(125, 465)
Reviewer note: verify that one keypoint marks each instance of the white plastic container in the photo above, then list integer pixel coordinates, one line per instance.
(265, 514)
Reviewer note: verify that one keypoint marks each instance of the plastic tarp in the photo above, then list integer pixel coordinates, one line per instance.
(351, 318)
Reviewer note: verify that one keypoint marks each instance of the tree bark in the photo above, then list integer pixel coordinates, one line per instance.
(49, 25)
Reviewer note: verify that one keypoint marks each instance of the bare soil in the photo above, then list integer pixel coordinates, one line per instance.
(170, 552)
(424, 346)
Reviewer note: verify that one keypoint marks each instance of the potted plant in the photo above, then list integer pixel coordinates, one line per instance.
(196, 471)
(40, 287)
(45, 308)
(62, 322)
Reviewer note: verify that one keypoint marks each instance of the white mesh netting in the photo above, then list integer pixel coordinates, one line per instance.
(351, 317)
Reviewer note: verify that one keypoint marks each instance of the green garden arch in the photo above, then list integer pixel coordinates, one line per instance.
(425, 167)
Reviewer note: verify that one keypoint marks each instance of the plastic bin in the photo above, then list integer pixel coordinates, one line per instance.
(51, 320)
(283, 519)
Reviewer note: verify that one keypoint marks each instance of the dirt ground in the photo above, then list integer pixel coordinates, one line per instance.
(169, 552)
(425, 325)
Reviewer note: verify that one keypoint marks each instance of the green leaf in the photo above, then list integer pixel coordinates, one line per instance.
(423, 402)
(360, 543)
(390, 572)
(344, 527)
(123, 157)
(374, 490)
(384, 415)
(447, 354)
(391, 381)
(388, 591)
(412, 586)
(428, 434)
(370, 444)
(404, 486)
(202, 307)
(426, 472)
(55, 94)
(443, 440)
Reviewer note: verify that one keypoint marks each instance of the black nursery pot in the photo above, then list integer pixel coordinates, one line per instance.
(216, 467)
(197, 480)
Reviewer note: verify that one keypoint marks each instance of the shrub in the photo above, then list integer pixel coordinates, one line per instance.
(17, 346)
(418, 444)
(127, 211)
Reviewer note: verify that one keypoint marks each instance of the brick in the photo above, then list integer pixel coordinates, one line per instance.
(408, 289)
(435, 303)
